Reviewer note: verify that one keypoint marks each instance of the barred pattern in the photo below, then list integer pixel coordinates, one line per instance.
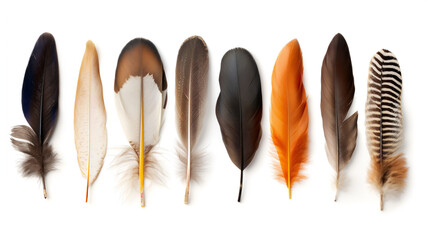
(383, 106)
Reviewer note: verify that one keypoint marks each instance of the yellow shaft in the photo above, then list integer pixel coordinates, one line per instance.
(142, 150)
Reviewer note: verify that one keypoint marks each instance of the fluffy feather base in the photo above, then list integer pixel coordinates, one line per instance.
(197, 165)
(388, 175)
(39, 157)
(300, 150)
(126, 167)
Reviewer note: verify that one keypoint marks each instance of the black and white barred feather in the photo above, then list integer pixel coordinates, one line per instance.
(383, 107)
(384, 123)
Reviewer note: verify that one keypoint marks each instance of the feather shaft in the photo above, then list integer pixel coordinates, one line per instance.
(142, 148)
(186, 193)
(188, 176)
(45, 195)
(89, 138)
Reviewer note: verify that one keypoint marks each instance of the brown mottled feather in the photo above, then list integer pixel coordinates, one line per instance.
(190, 91)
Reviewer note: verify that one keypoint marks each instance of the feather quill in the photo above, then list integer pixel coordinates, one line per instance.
(90, 133)
(239, 108)
(191, 82)
(140, 87)
(337, 93)
(40, 92)
(289, 115)
(384, 124)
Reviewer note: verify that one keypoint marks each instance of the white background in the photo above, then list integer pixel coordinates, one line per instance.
(262, 27)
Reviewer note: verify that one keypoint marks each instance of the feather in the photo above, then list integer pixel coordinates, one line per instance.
(289, 115)
(384, 124)
(337, 93)
(140, 87)
(191, 81)
(40, 106)
(239, 107)
(90, 133)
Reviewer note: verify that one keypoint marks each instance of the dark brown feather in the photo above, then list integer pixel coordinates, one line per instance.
(239, 107)
(337, 93)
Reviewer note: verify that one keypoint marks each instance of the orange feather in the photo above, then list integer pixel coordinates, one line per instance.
(289, 115)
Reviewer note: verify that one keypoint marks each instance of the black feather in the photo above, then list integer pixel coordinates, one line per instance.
(40, 92)
(239, 107)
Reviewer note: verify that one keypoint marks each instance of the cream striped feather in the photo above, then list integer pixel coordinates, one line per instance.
(384, 124)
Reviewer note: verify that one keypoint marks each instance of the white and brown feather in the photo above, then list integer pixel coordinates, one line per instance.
(140, 75)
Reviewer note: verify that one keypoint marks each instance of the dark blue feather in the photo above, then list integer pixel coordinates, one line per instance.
(40, 106)
(41, 87)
